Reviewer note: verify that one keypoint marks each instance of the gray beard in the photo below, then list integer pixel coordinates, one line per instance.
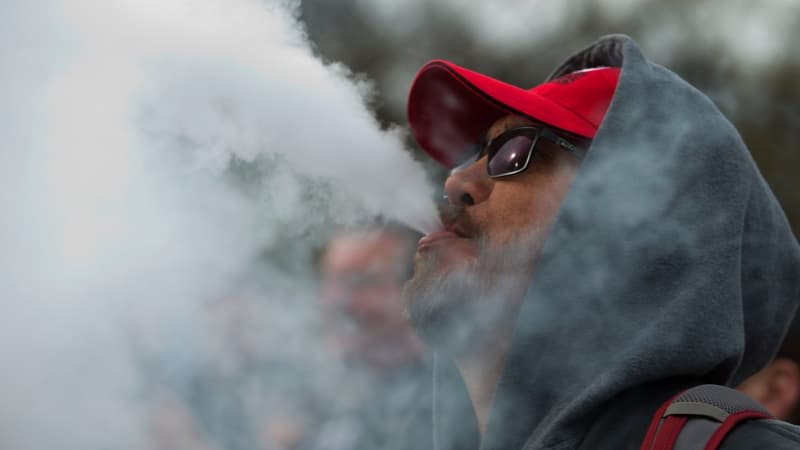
(456, 311)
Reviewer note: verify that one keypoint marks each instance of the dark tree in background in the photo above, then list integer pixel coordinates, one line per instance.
(744, 55)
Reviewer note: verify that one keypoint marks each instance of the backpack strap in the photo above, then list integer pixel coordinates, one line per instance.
(700, 418)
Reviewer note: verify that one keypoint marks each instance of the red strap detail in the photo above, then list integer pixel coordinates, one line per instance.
(734, 419)
(647, 444)
(668, 434)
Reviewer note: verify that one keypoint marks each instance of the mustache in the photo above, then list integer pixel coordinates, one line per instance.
(455, 216)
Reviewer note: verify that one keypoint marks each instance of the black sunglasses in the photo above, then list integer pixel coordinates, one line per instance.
(511, 152)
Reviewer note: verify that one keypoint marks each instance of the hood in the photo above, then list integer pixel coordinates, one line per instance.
(670, 259)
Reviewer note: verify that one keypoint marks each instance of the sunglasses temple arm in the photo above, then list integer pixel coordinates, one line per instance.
(573, 149)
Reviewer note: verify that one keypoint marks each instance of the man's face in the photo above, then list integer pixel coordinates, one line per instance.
(465, 283)
(776, 387)
(362, 278)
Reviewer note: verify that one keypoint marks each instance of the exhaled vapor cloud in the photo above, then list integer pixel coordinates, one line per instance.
(121, 122)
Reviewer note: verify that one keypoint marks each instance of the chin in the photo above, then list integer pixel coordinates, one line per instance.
(450, 309)
(459, 295)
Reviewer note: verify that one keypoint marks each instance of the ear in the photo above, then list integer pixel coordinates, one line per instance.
(783, 388)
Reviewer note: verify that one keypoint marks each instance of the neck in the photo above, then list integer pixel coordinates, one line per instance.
(481, 371)
(482, 365)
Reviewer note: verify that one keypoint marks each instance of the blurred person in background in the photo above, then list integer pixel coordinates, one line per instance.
(362, 277)
(777, 386)
(609, 247)
(377, 400)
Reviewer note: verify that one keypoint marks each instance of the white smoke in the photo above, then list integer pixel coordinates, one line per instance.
(121, 121)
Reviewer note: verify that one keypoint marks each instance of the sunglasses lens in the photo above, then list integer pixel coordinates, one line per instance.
(510, 157)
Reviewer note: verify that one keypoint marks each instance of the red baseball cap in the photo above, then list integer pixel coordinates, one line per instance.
(450, 108)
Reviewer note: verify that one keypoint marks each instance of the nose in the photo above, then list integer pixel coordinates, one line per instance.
(335, 296)
(469, 186)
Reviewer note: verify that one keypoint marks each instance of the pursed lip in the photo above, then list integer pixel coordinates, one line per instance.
(451, 232)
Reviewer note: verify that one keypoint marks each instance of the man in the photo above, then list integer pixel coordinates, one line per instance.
(379, 395)
(362, 276)
(777, 387)
(608, 243)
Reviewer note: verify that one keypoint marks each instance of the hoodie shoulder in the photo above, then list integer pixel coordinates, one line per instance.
(763, 434)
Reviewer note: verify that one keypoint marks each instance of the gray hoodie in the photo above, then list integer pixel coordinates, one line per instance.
(671, 264)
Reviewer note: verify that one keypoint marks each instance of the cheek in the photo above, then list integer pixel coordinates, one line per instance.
(531, 206)
(514, 207)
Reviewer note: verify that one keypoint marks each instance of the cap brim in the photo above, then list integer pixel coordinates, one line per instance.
(450, 109)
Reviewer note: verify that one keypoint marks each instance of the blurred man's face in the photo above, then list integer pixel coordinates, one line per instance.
(362, 279)
(466, 281)
(776, 387)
